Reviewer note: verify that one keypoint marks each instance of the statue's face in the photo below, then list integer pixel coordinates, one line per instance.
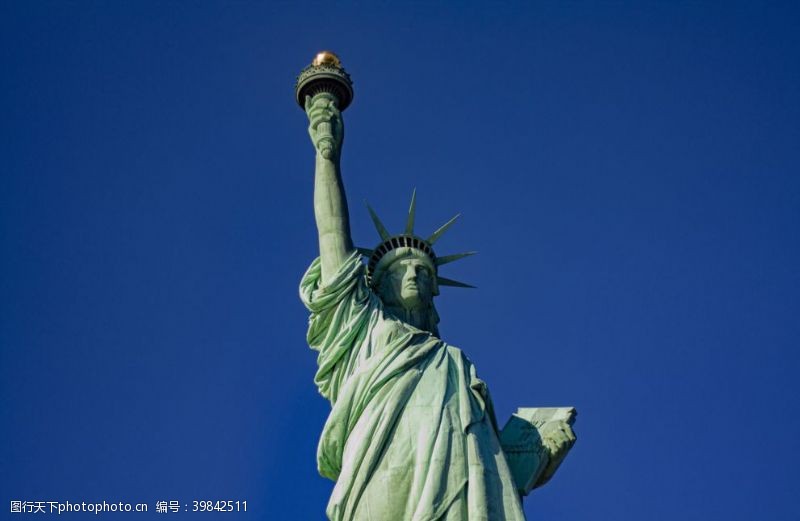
(410, 283)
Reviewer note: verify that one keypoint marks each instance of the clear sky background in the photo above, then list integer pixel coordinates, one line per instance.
(629, 172)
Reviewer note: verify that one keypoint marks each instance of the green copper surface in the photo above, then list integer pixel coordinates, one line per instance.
(412, 434)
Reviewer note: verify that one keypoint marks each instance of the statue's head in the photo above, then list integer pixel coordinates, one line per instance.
(403, 269)
(407, 279)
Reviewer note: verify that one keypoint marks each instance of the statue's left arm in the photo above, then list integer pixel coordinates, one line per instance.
(557, 438)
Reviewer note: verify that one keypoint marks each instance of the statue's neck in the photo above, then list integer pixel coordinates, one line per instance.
(420, 318)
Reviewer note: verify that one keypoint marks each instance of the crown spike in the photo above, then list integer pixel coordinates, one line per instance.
(452, 258)
(438, 233)
(450, 282)
(385, 235)
(412, 210)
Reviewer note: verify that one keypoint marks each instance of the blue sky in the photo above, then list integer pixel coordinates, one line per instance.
(627, 170)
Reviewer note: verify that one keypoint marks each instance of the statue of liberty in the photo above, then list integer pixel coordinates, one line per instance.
(412, 434)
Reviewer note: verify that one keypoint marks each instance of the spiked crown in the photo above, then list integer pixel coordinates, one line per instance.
(380, 257)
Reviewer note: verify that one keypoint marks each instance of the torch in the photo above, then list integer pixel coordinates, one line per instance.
(326, 76)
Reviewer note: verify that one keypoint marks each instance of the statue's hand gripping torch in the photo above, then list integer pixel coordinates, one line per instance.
(325, 128)
(324, 89)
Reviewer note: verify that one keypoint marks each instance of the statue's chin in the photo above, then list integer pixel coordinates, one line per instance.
(409, 300)
(410, 297)
(412, 301)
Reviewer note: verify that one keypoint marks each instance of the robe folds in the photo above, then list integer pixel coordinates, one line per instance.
(411, 435)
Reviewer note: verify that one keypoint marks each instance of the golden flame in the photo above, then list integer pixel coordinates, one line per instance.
(326, 58)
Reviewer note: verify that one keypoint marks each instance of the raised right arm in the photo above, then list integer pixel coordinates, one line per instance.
(326, 129)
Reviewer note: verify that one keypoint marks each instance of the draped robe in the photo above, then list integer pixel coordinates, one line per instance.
(411, 435)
